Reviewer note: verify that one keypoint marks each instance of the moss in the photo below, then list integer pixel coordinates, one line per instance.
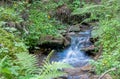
(9, 44)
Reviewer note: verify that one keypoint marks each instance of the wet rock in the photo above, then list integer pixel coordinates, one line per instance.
(78, 28)
(73, 71)
(75, 28)
(70, 34)
(86, 68)
(68, 38)
(78, 77)
(51, 39)
(84, 72)
(61, 77)
(78, 71)
(54, 41)
(63, 32)
(66, 41)
(84, 27)
(90, 48)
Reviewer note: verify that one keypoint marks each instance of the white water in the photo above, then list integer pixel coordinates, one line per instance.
(73, 54)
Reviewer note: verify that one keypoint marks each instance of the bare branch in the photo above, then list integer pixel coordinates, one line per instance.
(112, 69)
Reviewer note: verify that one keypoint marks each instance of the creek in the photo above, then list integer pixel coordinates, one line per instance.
(74, 55)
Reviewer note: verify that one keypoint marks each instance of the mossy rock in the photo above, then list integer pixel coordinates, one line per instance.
(10, 45)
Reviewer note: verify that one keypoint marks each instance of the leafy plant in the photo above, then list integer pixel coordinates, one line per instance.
(9, 44)
(41, 25)
(8, 14)
(51, 69)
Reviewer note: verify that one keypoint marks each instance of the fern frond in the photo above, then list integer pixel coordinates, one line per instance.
(86, 9)
(27, 62)
(49, 56)
(51, 70)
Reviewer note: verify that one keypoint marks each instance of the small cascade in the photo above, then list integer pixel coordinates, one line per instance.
(73, 55)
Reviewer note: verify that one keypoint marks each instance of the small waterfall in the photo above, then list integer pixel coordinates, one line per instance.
(73, 55)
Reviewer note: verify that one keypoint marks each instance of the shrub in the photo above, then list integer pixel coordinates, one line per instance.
(10, 44)
(9, 14)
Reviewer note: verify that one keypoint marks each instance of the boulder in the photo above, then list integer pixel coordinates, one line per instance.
(84, 27)
(78, 71)
(74, 28)
(78, 28)
(50, 41)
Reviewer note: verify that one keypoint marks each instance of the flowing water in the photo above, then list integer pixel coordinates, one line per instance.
(74, 55)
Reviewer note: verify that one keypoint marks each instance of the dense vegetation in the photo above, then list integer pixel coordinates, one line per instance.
(22, 24)
(107, 14)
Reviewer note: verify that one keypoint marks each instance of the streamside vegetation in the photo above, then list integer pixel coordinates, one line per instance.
(24, 22)
(107, 30)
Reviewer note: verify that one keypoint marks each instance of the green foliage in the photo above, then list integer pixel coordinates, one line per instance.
(14, 62)
(51, 70)
(22, 67)
(107, 13)
(9, 44)
(28, 63)
(76, 4)
(8, 14)
(110, 40)
(41, 24)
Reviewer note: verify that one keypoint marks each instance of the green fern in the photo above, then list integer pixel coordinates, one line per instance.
(28, 62)
(86, 9)
(51, 70)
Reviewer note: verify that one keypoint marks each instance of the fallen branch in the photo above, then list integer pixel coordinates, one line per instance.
(112, 69)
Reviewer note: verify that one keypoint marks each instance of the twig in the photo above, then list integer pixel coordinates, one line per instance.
(112, 69)
(69, 29)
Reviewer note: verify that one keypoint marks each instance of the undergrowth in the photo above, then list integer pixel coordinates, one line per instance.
(17, 63)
